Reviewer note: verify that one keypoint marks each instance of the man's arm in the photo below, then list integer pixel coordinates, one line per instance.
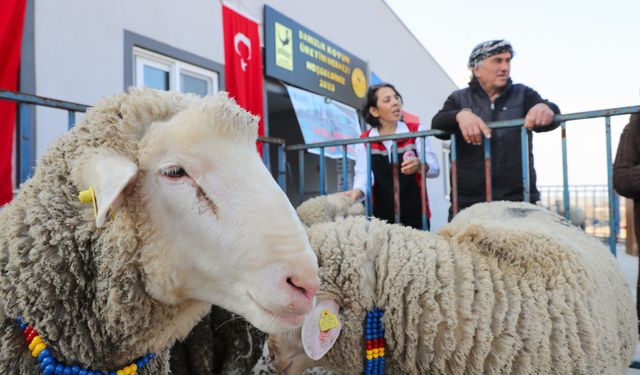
(539, 112)
(445, 119)
(451, 117)
(626, 168)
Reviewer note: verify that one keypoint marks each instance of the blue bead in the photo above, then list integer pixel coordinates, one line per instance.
(48, 362)
(49, 370)
(67, 371)
(84, 372)
(75, 370)
(115, 373)
(59, 369)
(43, 354)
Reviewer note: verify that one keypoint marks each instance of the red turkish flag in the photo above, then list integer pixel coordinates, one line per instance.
(11, 24)
(243, 64)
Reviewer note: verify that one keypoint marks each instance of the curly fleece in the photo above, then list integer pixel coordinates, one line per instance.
(82, 288)
(506, 288)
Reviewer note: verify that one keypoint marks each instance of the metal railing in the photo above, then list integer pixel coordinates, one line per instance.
(26, 156)
(606, 114)
(588, 208)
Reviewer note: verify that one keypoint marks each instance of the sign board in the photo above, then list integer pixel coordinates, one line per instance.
(323, 120)
(298, 56)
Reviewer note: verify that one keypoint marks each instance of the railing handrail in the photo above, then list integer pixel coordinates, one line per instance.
(71, 106)
(43, 101)
(492, 125)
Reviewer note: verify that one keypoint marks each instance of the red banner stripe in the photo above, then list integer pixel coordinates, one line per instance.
(11, 25)
(243, 63)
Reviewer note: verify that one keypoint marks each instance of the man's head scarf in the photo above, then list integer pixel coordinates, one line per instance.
(488, 49)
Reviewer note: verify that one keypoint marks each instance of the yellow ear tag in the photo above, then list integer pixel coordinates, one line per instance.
(89, 196)
(328, 320)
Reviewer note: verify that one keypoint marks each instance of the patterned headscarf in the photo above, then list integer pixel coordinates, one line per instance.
(488, 49)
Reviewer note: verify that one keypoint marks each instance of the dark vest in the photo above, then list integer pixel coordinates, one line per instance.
(506, 154)
(382, 168)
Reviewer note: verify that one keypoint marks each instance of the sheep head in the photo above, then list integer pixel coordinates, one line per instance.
(328, 208)
(214, 227)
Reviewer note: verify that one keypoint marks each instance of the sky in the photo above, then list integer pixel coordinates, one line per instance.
(582, 55)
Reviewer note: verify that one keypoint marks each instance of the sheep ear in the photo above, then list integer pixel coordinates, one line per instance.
(315, 341)
(108, 172)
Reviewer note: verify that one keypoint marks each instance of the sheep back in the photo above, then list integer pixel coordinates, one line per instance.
(552, 300)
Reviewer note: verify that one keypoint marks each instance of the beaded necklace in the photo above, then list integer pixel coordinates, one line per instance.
(374, 344)
(50, 366)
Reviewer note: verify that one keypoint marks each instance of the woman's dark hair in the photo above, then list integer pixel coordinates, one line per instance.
(371, 100)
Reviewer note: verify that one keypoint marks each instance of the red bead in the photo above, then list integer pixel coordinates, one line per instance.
(33, 334)
(369, 344)
(381, 342)
(27, 331)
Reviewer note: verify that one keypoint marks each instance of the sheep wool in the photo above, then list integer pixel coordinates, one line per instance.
(505, 288)
(50, 255)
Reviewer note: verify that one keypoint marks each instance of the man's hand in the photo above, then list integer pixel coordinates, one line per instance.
(539, 115)
(472, 127)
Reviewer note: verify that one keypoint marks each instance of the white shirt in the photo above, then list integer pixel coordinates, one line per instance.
(360, 169)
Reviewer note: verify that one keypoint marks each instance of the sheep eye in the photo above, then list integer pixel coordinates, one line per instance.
(174, 172)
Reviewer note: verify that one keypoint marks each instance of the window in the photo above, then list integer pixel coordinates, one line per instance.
(165, 73)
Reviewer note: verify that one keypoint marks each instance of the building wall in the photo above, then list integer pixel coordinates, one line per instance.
(79, 51)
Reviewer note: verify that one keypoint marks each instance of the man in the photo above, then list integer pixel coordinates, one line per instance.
(626, 176)
(491, 96)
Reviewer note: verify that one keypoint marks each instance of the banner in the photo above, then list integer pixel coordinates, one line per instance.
(243, 64)
(323, 120)
(300, 57)
(11, 25)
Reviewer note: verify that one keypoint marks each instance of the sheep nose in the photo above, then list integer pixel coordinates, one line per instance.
(307, 286)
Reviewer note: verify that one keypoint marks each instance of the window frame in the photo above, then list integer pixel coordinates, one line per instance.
(174, 67)
(192, 64)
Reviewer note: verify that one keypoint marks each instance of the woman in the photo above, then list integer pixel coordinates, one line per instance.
(383, 111)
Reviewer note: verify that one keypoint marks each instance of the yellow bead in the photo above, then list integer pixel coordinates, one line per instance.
(369, 356)
(134, 367)
(369, 352)
(127, 370)
(36, 340)
(375, 351)
(120, 372)
(381, 352)
(375, 355)
(40, 347)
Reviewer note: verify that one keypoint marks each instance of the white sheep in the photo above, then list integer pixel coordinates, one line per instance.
(186, 216)
(505, 288)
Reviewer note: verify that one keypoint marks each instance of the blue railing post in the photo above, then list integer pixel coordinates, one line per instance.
(396, 181)
(322, 176)
(368, 202)
(345, 166)
(612, 215)
(454, 174)
(424, 197)
(25, 143)
(565, 172)
(524, 142)
(301, 174)
(71, 119)
(487, 168)
(282, 168)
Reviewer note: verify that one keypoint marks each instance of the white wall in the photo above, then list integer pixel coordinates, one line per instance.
(79, 51)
